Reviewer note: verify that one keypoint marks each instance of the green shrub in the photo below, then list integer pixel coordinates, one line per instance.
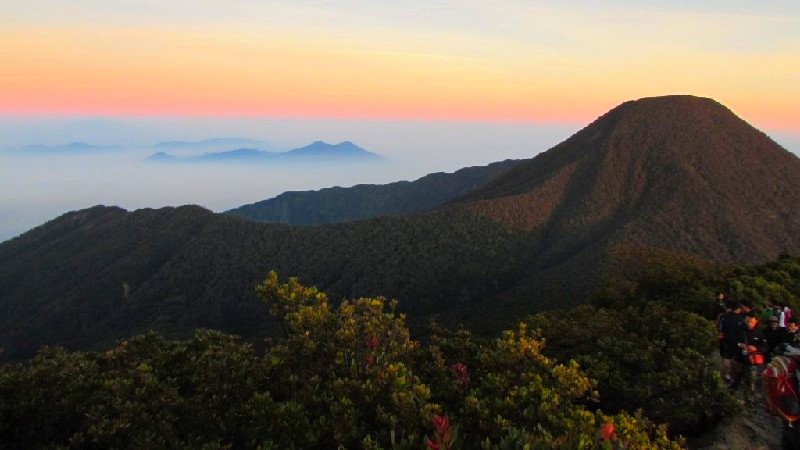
(646, 357)
(342, 376)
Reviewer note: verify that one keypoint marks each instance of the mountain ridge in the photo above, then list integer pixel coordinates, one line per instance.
(364, 201)
(212, 142)
(317, 152)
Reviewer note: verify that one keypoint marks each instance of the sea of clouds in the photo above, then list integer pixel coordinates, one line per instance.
(39, 186)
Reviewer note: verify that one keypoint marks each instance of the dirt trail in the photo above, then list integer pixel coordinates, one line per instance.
(752, 429)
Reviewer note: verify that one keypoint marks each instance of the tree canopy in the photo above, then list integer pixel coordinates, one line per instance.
(345, 375)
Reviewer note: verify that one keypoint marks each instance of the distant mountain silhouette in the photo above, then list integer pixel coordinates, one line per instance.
(365, 201)
(160, 157)
(679, 173)
(72, 148)
(320, 149)
(241, 154)
(77, 148)
(318, 152)
(214, 143)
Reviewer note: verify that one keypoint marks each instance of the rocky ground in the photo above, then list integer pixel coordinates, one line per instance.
(753, 429)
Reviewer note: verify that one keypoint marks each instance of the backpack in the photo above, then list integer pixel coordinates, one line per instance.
(730, 324)
(780, 390)
(755, 358)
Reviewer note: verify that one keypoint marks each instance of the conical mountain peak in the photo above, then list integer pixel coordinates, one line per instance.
(657, 132)
(654, 170)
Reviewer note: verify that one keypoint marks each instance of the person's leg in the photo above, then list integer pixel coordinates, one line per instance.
(727, 366)
(750, 384)
(725, 369)
(735, 375)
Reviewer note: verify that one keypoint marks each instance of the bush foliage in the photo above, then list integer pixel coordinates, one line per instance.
(344, 375)
(650, 358)
(648, 339)
(775, 282)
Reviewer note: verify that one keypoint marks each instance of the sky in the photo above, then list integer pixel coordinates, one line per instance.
(433, 85)
(507, 60)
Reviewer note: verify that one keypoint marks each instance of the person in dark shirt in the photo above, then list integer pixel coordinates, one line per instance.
(720, 306)
(752, 347)
(747, 307)
(731, 328)
(775, 336)
(792, 336)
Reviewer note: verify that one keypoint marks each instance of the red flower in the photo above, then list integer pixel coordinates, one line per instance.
(460, 373)
(371, 342)
(369, 360)
(440, 423)
(441, 434)
(431, 445)
(607, 431)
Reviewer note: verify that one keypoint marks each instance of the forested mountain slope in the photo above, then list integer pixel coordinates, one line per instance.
(679, 173)
(98, 274)
(364, 201)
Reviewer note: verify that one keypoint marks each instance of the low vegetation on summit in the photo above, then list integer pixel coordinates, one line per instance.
(630, 370)
(341, 376)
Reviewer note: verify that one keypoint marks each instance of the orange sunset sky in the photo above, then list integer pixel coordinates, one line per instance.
(488, 61)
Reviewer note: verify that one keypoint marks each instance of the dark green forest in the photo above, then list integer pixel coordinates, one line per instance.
(365, 201)
(634, 369)
(97, 275)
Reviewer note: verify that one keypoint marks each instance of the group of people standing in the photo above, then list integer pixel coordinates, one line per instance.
(749, 337)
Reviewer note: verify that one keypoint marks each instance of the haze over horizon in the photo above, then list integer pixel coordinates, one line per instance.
(34, 189)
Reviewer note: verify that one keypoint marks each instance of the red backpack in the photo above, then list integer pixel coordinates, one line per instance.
(780, 389)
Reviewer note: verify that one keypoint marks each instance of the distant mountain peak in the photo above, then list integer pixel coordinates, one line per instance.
(316, 152)
(324, 144)
(161, 157)
(244, 150)
(72, 147)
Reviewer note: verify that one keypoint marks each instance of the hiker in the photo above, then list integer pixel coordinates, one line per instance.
(731, 328)
(792, 336)
(766, 315)
(781, 315)
(750, 358)
(780, 395)
(775, 336)
(720, 306)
